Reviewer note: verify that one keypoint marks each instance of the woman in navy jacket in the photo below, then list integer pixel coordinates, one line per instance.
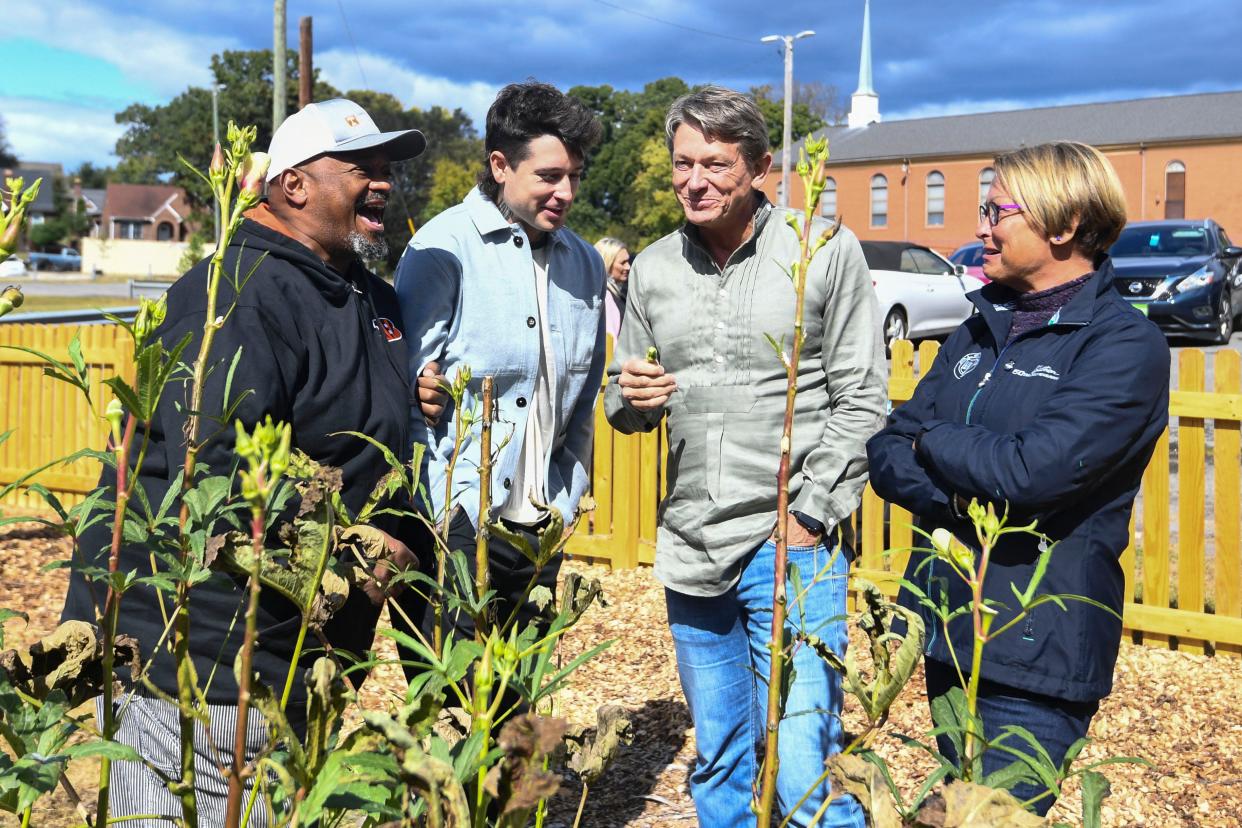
(1047, 402)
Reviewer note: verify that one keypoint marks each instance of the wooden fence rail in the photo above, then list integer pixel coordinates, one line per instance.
(1183, 565)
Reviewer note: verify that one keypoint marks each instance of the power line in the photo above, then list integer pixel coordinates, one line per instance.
(676, 25)
(352, 43)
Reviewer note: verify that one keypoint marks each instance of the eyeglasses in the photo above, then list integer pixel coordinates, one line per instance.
(992, 211)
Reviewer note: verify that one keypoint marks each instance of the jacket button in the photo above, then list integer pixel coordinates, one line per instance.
(517, 240)
(521, 402)
(508, 482)
(530, 322)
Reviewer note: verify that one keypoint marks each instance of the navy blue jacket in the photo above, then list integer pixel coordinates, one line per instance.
(1059, 425)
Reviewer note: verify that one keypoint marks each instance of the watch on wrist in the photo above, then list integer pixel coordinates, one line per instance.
(809, 523)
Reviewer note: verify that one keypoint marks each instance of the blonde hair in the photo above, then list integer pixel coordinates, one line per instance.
(1063, 183)
(609, 248)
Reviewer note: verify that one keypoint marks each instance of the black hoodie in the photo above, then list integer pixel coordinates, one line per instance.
(321, 350)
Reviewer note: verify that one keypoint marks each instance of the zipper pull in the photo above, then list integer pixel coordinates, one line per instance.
(985, 379)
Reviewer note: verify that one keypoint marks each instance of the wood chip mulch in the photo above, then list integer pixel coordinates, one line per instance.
(1180, 712)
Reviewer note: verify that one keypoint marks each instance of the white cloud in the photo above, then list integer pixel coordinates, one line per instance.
(161, 57)
(49, 131)
(370, 71)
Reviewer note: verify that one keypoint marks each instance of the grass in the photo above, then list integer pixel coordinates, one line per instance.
(47, 304)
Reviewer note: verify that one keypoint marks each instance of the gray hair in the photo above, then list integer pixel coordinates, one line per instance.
(722, 115)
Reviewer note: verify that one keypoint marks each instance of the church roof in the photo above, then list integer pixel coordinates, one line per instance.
(1173, 119)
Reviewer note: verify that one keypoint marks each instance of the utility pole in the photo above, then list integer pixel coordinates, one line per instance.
(306, 70)
(787, 41)
(280, 58)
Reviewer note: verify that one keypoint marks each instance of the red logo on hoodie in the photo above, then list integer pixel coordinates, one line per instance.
(390, 331)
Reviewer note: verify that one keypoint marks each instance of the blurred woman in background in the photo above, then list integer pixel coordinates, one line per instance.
(617, 265)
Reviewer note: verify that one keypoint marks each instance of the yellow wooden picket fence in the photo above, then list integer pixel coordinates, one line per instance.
(1188, 591)
(50, 419)
(1174, 591)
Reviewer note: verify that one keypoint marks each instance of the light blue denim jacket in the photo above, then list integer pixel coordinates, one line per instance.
(467, 291)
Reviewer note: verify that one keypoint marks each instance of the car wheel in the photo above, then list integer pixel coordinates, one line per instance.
(894, 327)
(1224, 319)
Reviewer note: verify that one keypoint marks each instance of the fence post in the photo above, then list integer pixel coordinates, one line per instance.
(1191, 480)
(1227, 460)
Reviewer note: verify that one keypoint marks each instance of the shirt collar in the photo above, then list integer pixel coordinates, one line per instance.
(488, 219)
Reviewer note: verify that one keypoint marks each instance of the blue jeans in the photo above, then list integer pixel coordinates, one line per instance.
(722, 660)
(1055, 723)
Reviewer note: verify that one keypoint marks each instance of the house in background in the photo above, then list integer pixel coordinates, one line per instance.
(92, 201)
(147, 212)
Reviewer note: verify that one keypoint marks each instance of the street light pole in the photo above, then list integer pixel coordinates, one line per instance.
(787, 42)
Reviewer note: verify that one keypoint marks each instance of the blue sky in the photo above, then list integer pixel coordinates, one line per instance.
(69, 66)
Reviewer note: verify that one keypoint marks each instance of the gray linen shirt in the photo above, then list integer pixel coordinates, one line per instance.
(726, 417)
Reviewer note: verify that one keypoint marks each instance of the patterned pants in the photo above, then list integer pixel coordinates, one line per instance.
(150, 727)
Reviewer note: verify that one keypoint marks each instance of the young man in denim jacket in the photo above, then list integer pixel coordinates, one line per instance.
(497, 283)
(715, 552)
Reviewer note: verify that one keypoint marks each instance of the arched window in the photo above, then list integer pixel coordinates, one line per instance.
(828, 199)
(1175, 190)
(879, 201)
(986, 176)
(164, 232)
(935, 199)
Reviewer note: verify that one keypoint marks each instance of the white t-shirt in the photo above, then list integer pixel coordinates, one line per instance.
(530, 477)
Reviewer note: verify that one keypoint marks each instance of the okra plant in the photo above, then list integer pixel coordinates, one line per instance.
(471, 741)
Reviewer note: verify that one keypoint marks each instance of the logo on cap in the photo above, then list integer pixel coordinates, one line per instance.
(352, 120)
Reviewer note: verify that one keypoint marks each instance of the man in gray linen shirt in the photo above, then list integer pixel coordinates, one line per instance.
(704, 296)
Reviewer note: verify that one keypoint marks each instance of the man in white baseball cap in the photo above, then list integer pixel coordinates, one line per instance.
(322, 349)
(336, 126)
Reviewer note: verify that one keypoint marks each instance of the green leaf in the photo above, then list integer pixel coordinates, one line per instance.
(126, 394)
(1095, 788)
(115, 751)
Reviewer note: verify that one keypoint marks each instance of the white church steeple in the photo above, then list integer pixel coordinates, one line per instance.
(864, 103)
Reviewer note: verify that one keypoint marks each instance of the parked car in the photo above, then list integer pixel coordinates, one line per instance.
(1186, 276)
(971, 255)
(920, 292)
(12, 267)
(65, 258)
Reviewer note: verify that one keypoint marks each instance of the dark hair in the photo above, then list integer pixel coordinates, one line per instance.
(525, 111)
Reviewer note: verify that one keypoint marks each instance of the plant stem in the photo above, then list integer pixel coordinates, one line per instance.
(776, 643)
(112, 611)
(481, 722)
(982, 625)
(232, 814)
(581, 804)
(186, 678)
(481, 566)
(437, 597)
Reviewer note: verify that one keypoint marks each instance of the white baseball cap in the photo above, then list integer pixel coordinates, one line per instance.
(337, 125)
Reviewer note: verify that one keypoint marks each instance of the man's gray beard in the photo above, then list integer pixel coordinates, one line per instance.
(367, 249)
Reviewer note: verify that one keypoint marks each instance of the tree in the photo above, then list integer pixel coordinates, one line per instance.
(804, 120)
(156, 135)
(450, 181)
(92, 177)
(661, 213)
(69, 224)
(608, 200)
(7, 158)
